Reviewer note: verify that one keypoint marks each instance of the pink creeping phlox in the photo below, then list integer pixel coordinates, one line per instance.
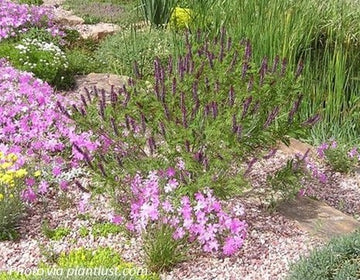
(200, 219)
(33, 127)
(18, 18)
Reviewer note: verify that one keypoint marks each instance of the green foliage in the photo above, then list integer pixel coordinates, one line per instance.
(339, 160)
(162, 250)
(84, 231)
(340, 260)
(121, 51)
(45, 60)
(82, 62)
(287, 181)
(104, 229)
(121, 12)
(204, 119)
(158, 12)
(31, 2)
(54, 234)
(11, 211)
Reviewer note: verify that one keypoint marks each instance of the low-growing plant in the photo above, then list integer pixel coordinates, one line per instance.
(339, 259)
(286, 183)
(105, 229)
(339, 157)
(54, 234)
(45, 60)
(162, 250)
(17, 18)
(11, 187)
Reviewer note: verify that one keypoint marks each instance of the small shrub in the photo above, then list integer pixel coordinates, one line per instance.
(180, 19)
(340, 260)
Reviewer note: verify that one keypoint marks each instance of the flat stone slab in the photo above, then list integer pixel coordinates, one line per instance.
(296, 147)
(97, 31)
(318, 218)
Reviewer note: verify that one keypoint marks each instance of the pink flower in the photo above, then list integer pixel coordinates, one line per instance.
(179, 233)
(43, 187)
(63, 185)
(115, 219)
(56, 171)
(170, 172)
(28, 195)
(30, 182)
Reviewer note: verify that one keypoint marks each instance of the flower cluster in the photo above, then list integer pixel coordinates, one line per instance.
(200, 219)
(34, 126)
(9, 174)
(18, 18)
(43, 59)
(180, 18)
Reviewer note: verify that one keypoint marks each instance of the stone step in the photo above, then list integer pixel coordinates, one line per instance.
(318, 218)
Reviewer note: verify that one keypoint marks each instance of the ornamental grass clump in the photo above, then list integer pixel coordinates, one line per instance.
(212, 107)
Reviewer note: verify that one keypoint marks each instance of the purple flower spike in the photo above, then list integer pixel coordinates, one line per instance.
(162, 129)
(233, 61)
(312, 120)
(275, 64)
(83, 100)
(173, 87)
(283, 66)
(246, 105)
(231, 96)
(244, 70)
(270, 154)
(299, 69)
(234, 124)
(295, 108)
(214, 109)
(248, 51)
(87, 94)
(263, 70)
(187, 146)
(271, 117)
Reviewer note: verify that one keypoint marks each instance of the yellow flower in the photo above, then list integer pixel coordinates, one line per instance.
(180, 18)
(1, 196)
(21, 173)
(6, 165)
(37, 173)
(12, 157)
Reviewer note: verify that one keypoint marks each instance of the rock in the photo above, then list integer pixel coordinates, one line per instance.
(295, 147)
(97, 31)
(100, 81)
(318, 218)
(67, 18)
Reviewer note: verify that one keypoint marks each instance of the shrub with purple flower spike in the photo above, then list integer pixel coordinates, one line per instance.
(190, 111)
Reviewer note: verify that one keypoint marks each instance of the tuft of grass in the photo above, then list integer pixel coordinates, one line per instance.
(162, 250)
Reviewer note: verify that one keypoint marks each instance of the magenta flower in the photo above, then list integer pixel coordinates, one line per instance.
(28, 195)
(43, 187)
(170, 172)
